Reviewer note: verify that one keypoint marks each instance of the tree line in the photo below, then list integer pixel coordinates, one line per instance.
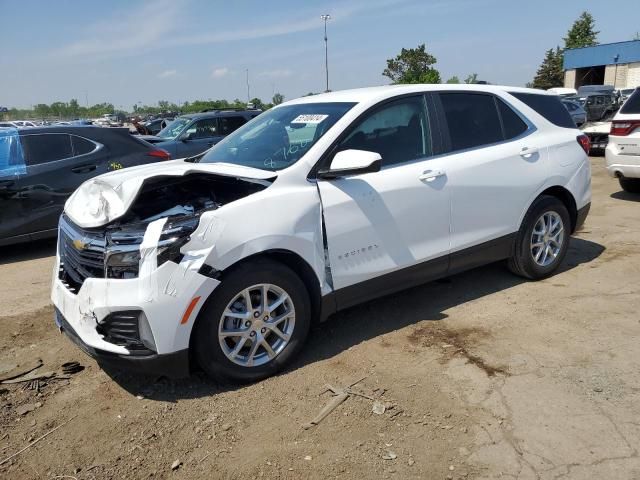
(73, 110)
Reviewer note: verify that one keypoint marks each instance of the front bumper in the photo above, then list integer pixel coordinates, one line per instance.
(172, 365)
(163, 295)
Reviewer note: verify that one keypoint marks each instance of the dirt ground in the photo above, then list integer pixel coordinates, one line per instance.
(482, 375)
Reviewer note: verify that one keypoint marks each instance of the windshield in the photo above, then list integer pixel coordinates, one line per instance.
(174, 129)
(278, 138)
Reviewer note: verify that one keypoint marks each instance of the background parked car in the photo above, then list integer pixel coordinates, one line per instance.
(190, 135)
(576, 111)
(55, 161)
(154, 126)
(599, 106)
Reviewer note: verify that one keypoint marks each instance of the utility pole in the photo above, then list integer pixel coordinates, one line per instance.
(248, 94)
(326, 50)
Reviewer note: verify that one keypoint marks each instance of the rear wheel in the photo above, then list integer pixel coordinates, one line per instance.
(543, 239)
(631, 185)
(254, 322)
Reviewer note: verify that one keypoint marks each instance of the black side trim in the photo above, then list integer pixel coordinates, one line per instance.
(173, 365)
(476, 256)
(483, 254)
(582, 216)
(392, 282)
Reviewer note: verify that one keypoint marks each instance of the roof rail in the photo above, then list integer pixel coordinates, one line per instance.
(230, 109)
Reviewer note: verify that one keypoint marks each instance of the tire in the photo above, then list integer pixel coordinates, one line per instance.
(214, 341)
(631, 185)
(523, 261)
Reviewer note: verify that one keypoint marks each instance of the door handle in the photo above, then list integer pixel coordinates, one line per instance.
(431, 175)
(84, 169)
(528, 151)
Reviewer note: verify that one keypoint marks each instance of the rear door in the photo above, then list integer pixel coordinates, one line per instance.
(57, 163)
(389, 229)
(495, 164)
(230, 123)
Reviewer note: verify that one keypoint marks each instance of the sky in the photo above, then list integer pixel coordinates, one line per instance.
(126, 52)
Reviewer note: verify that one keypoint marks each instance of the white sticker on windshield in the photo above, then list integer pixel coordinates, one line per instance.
(309, 118)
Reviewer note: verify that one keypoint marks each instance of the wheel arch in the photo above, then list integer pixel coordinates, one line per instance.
(286, 257)
(566, 197)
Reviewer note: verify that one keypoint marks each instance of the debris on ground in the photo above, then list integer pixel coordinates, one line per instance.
(69, 368)
(389, 455)
(176, 465)
(27, 407)
(20, 371)
(378, 408)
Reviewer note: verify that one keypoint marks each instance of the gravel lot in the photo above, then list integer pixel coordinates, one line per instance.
(482, 376)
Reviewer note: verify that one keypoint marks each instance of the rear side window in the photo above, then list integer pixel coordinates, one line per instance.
(472, 119)
(632, 105)
(81, 146)
(230, 124)
(549, 106)
(44, 148)
(511, 122)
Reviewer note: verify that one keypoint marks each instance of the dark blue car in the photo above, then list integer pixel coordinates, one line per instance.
(192, 134)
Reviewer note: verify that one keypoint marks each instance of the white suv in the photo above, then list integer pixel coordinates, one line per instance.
(623, 150)
(226, 260)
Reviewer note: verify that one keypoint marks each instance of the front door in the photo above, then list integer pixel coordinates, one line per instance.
(201, 135)
(390, 229)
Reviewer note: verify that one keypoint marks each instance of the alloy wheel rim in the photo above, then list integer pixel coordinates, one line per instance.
(547, 238)
(256, 325)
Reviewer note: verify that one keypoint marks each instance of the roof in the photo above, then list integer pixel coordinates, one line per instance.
(375, 94)
(605, 54)
(215, 113)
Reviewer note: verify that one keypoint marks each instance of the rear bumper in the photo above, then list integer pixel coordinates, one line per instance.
(173, 365)
(622, 163)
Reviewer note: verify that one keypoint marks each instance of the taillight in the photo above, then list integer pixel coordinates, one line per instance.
(623, 128)
(159, 153)
(584, 142)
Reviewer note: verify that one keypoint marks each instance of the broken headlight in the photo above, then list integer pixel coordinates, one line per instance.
(123, 246)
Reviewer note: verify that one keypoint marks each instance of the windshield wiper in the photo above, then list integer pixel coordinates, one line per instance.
(195, 158)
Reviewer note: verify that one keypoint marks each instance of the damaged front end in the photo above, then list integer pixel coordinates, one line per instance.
(123, 288)
(116, 249)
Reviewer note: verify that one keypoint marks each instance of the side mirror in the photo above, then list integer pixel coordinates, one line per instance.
(188, 135)
(352, 162)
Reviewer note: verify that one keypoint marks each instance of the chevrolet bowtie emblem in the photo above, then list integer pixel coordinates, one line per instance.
(79, 244)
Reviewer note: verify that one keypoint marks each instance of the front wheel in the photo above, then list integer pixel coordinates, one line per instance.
(631, 185)
(543, 239)
(254, 322)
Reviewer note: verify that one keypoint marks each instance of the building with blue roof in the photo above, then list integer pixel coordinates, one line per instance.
(616, 64)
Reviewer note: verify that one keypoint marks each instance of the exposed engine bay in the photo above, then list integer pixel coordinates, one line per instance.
(176, 202)
(171, 196)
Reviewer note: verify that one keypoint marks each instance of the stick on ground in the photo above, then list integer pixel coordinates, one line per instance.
(36, 441)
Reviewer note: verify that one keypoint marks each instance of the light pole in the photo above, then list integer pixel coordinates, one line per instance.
(248, 94)
(326, 52)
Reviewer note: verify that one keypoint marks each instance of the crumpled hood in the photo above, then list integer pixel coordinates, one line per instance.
(107, 197)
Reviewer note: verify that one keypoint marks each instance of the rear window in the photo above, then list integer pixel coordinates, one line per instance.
(632, 105)
(82, 146)
(46, 147)
(472, 120)
(549, 106)
(512, 123)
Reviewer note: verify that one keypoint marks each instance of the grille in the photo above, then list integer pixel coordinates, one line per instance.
(81, 254)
